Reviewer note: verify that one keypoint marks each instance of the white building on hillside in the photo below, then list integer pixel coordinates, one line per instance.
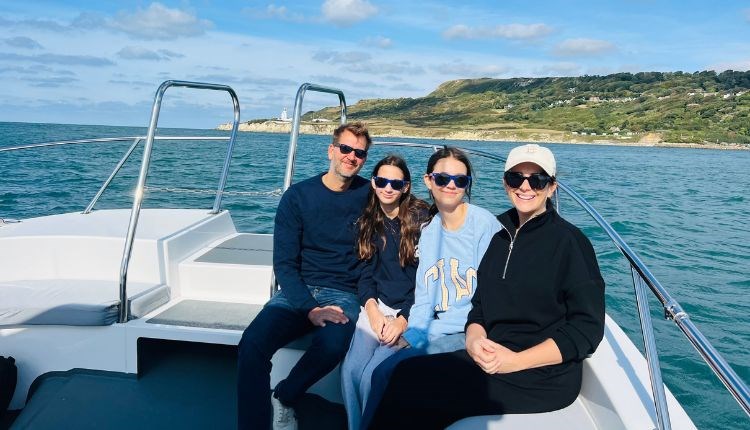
(284, 116)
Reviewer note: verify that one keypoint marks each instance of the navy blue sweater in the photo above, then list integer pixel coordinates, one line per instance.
(314, 237)
(383, 277)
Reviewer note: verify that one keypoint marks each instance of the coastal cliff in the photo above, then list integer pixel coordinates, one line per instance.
(382, 129)
(273, 126)
(701, 109)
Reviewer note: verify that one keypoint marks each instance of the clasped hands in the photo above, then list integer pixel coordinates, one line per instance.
(388, 330)
(491, 356)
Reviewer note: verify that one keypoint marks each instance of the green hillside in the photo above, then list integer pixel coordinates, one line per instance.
(701, 107)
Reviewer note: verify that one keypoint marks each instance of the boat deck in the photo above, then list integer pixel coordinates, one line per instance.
(181, 385)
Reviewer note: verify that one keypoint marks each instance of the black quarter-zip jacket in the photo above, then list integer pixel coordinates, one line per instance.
(540, 282)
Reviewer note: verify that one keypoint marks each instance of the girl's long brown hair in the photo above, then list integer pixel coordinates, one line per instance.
(411, 212)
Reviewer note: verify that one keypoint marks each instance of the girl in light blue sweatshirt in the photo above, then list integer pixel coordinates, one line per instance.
(450, 249)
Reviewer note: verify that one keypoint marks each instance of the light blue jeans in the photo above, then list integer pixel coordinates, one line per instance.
(365, 354)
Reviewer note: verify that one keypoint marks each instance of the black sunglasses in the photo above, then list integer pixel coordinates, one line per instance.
(396, 184)
(346, 149)
(537, 181)
(443, 179)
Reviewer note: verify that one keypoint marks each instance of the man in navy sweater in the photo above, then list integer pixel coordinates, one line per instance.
(318, 270)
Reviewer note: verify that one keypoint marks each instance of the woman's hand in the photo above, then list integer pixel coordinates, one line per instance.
(490, 356)
(495, 358)
(483, 351)
(477, 346)
(377, 319)
(393, 330)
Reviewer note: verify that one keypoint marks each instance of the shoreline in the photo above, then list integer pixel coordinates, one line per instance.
(389, 131)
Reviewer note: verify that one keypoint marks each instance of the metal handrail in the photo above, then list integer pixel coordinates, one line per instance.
(104, 140)
(136, 140)
(652, 356)
(138, 197)
(130, 150)
(112, 175)
(672, 309)
(297, 117)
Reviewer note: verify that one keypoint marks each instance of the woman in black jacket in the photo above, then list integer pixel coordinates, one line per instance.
(537, 313)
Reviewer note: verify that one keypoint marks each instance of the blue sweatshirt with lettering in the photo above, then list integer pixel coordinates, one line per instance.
(447, 275)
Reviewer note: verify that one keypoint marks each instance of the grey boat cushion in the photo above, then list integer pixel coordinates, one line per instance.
(218, 315)
(78, 302)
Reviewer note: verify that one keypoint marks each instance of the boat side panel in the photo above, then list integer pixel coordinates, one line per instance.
(616, 387)
(238, 269)
(182, 244)
(42, 349)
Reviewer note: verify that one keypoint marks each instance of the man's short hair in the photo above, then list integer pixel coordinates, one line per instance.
(356, 128)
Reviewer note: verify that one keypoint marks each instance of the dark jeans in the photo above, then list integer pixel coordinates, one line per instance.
(277, 324)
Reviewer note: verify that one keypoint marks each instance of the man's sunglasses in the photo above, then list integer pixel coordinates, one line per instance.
(537, 181)
(346, 149)
(396, 184)
(443, 179)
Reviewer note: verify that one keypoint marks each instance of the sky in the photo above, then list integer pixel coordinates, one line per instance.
(100, 62)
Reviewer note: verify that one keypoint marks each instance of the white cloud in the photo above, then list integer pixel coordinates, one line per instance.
(378, 42)
(395, 67)
(505, 31)
(23, 42)
(361, 62)
(88, 21)
(170, 54)
(272, 11)
(280, 11)
(335, 57)
(79, 60)
(406, 87)
(558, 69)
(140, 53)
(159, 22)
(50, 81)
(583, 47)
(738, 65)
(41, 24)
(344, 13)
(463, 70)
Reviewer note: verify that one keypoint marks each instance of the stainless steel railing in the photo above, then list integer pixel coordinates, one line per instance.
(292, 153)
(128, 153)
(138, 198)
(296, 119)
(135, 139)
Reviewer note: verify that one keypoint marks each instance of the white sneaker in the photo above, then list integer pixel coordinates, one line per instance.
(283, 416)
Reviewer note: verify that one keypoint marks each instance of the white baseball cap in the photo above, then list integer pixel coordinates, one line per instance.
(532, 153)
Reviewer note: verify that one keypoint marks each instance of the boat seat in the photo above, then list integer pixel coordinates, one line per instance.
(218, 315)
(573, 417)
(75, 302)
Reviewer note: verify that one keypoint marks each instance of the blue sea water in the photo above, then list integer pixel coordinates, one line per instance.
(682, 210)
